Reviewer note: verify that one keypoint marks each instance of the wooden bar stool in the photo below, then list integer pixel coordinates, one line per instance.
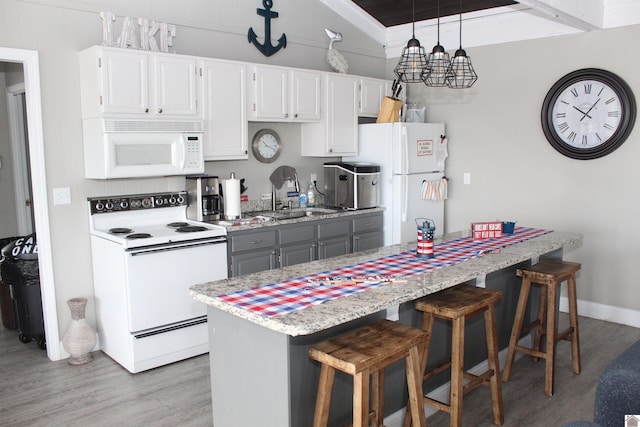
(456, 304)
(365, 353)
(550, 274)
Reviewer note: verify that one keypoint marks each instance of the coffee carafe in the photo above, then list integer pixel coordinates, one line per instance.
(204, 198)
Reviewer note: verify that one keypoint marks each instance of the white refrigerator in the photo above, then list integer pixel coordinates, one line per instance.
(409, 155)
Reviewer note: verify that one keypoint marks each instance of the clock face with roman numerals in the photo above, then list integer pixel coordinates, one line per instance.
(588, 113)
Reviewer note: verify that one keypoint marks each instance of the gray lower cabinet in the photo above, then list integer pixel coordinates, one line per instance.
(250, 251)
(297, 243)
(252, 262)
(367, 233)
(334, 238)
(364, 241)
(337, 246)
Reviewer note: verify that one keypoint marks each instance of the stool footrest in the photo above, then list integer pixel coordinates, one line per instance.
(476, 380)
(565, 335)
(531, 352)
(437, 404)
(436, 371)
(530, 326)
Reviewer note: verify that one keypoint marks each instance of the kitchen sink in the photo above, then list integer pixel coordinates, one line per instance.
(294, 213)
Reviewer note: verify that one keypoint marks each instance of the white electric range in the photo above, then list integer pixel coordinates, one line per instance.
(146, 255)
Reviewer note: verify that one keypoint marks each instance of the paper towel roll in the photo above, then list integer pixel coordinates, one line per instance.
(231, 193)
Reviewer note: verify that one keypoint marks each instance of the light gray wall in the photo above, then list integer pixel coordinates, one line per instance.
(495, 134)
(59, 29)
(8, 220)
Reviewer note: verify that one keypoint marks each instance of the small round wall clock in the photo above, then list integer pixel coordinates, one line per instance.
(588, 113)
(266, 146)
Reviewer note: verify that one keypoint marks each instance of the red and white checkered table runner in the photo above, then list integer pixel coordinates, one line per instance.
(284, 297)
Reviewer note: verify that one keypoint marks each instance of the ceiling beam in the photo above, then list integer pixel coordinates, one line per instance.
(584, 15)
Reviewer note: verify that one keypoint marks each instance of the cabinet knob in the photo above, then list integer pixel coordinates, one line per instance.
(295, 115)
(146, 110)
(159, 110)
(286, 115)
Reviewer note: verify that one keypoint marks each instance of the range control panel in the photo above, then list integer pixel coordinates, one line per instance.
(99, 205)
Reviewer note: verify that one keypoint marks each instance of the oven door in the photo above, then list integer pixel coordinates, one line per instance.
(159, 278)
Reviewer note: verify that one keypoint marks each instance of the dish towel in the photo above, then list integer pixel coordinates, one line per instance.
(441, 151)
(434, 190)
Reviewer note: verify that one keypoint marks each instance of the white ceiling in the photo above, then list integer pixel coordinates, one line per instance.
(530, 19)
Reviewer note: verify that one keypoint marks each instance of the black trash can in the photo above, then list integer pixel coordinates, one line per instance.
(19, 269)
(6, 304)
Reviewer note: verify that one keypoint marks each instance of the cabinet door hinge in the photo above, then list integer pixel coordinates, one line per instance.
(99, 62)
(100, 100)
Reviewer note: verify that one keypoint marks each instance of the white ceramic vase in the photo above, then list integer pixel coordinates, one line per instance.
(79, 338)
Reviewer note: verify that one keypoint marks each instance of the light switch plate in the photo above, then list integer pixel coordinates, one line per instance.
(467, 178)
(61, 196)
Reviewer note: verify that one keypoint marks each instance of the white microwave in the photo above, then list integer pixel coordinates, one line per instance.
(142, 148)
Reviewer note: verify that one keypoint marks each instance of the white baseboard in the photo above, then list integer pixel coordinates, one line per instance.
(609, 313)
(442, 393)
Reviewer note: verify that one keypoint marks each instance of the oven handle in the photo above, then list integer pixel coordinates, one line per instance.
(176, 246)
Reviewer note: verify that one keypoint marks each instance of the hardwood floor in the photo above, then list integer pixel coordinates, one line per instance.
(37, 392)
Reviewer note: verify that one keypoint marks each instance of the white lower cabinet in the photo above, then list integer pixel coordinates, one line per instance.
(224, 94)
(337, 135)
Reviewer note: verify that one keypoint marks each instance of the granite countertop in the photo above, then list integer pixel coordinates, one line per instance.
(331, 313)
(254, 220)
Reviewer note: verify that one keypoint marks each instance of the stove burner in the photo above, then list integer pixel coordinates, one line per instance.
(191, 228)
(120, 230)
(177, 224)
(139, 236)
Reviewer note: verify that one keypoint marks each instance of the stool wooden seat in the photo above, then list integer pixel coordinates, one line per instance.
(456, 304)
(363, 354)
(550, 274)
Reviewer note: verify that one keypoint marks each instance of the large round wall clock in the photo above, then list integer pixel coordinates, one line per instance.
(266, 146)
(588, 113)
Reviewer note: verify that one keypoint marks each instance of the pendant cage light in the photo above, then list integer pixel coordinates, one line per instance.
(438, 63)
(413, 62)
(464, 76)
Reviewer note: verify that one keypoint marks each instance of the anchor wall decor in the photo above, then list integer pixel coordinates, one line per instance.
(267, 48)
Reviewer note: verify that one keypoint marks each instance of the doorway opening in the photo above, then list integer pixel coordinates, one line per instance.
(17, 111)
(35, 158)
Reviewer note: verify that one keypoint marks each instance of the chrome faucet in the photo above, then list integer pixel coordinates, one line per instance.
(273, 197)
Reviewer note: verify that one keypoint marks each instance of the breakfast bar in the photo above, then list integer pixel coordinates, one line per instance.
(259, 335)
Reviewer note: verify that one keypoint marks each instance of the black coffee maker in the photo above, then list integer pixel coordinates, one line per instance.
(205, 203)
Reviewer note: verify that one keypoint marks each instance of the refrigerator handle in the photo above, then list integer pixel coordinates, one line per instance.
(404, 191)
(404, 167)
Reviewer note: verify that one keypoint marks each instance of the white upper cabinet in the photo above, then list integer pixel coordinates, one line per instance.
(225, 109)
(372, 92)
(337, 135)
(284, 94)
(127, 83)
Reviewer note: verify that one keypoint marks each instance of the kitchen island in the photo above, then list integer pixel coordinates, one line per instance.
(260, 371)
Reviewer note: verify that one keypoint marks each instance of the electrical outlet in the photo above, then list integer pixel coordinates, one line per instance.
(467, 178)
(266, 196)
(314, 177)
(62, 196)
